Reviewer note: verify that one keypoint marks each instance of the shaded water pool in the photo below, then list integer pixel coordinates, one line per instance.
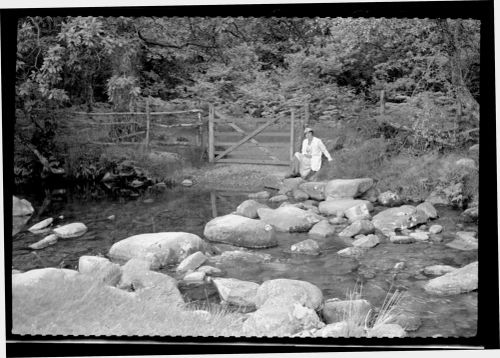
(187, 209)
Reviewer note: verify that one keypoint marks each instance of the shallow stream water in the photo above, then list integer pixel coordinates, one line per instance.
(188, 209)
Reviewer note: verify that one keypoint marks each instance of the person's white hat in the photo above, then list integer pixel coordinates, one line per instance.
(308, 129)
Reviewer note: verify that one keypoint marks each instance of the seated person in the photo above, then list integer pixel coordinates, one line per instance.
(308, 162)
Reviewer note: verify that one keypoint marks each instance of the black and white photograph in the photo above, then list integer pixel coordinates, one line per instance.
(223, 175)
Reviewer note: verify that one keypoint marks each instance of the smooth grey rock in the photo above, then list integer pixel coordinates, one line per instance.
(240, 231)
(288, 219)
(197, 276)
(159, 248)
(368, 241)
(337, 221)
(299, 195)
(130, 271)
(101, 269)
(402, 239)
(322, 229)
(438, 270)
(338, 207)
(70, 230)
(339, 310)
(41, 225)
(192, 262)
(154, 285)
(351, 252)
(358, 227)
(209, 270)
(47, 241)
(21, 207)
(245, 256)
(347, 188)
(32, 278)
(236, 292)
(308, 247)
(402, 217)
(302, 292)
(462, 280)
(435, 229)
(419, 236)
(428, 209)
(249, 208)
(278, 198)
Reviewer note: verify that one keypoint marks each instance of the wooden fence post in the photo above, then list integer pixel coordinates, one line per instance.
(211, 114)
(382, 102)
(148, 124)
(306, 115)
(292, 135)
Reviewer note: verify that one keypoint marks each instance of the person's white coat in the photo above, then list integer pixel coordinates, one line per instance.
(315, 149)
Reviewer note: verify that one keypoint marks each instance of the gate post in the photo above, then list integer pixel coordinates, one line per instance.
(148, 124)
(211, 114)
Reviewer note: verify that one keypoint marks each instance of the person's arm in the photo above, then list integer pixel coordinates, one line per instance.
(303, 150)
(324, 150)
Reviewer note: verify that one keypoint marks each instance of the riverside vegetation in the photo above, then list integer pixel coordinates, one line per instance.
(395, 169)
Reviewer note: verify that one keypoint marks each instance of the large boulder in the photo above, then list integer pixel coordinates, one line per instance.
(339, 206)
(241, 231)
(159, 248)
(100, 268)
(322, 229)
(70, 230)
(337, 310)
(302, 292)
(315, 190)
(359, 227)
(288, 219)
(249, 208)
(236, 292)
(21, 207)
(402, 217)
(347, 188)
(281, 316)
(462, 280)
(34, 277)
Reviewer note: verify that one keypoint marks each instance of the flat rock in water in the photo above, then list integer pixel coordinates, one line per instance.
(100, 268)
(241, 231)
(249, 208)
(402, 239)
(336, 310)
(419, 236)
(236, 292)
(308, 247)
(428, 209)
(278, 198)
(315, 190)
(302, 292)
(41, 225)
(33, 277)
(162, 247)
(21, 207)
(358, 227)
(351, 252)
(70, 230)
(259, 195)
(347, 188)
(367, 242)
(389, 330)
(323, 229)
(250, 257)
(402, 217)
(47, 241)
(288, 219)
(359, 212)
(462, 280)
(339, 206)
(192, 262)
(435, 229)
(465, 241)
(438, 270)
(281, 316)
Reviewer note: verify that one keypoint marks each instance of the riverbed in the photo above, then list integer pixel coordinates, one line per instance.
(110, 219)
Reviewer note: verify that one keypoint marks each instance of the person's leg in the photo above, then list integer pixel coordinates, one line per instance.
(310, 175)
(295, 167)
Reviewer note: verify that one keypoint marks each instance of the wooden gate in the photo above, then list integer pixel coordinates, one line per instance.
(255, 140)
